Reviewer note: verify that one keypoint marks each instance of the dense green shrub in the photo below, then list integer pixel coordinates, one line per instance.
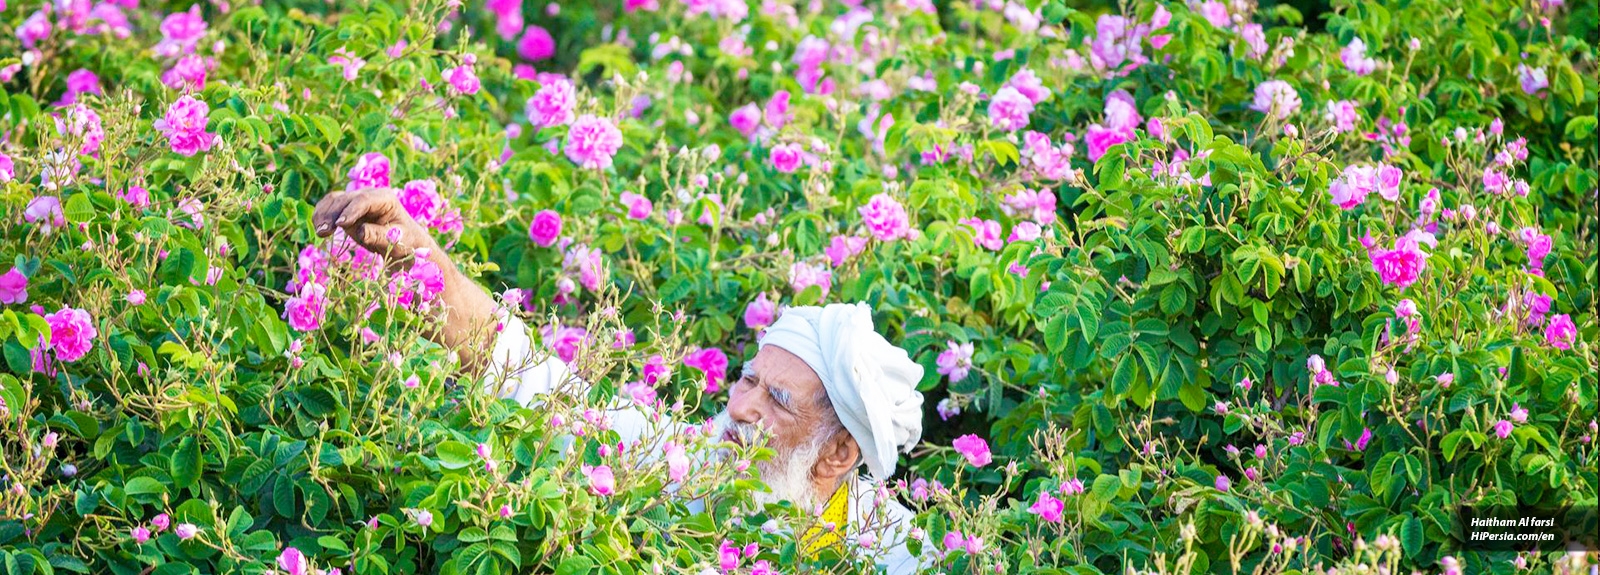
(1197, 343)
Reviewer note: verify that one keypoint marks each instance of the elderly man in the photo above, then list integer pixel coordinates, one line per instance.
(831, 391)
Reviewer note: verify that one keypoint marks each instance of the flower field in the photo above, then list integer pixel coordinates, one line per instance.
(1206, 287)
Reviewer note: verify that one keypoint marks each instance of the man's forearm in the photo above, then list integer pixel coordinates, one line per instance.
(469, 314)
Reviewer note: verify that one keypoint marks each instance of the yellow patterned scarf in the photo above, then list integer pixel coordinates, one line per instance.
(836, 512)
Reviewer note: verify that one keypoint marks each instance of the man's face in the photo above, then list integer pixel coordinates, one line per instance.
(778, 393)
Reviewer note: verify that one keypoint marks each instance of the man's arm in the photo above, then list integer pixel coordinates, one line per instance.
(367, 217)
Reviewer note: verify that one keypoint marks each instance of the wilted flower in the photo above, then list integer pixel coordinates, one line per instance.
(1533, 79)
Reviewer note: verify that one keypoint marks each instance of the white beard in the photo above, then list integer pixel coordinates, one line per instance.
(787, 474)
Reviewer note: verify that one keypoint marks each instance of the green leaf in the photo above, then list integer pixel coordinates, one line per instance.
(331, 133)
(1106, 487)
(1193, 396)
(455, 455)
(186, 463)
(1411, 536)
(576, 565)
(144, 486)
(1580, 127)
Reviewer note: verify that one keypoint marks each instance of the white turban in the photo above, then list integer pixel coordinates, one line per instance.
(871, 382)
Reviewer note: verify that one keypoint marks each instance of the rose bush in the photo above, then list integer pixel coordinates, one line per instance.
(1204, 287)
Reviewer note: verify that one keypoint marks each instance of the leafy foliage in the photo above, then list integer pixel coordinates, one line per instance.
(1197, 303)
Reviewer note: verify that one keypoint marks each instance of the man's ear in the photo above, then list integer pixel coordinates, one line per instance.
(839, 456)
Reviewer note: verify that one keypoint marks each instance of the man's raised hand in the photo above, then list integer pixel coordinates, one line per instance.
(373, 218)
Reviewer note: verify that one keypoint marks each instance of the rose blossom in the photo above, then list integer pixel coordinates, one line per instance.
(305, 310)
(639, 207)
(746, 119)
(885, 218)
(592, 141)
(1277, 99)
(760, 312)
(1560, 333)
(1009, 109)
(72, 333)
(601, 480)
(536, 44)
(13, 287)
(803, 275)
(1048, 508)
(955, 361)
(552, 105)
(371, 171)
(292, 561)
(974, 449)
(545, 229)
(786, 158)
(713, 363)
(185, 126)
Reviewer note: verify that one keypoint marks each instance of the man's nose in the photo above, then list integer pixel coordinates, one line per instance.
(743, 408)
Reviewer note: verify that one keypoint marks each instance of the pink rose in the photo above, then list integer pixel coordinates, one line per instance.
(72, 333)
(292, 561)
(592, 141)
(536, 44)
(306, 309)
(713, 363)
(185, 126)
(601, 480)
(1048, 508)
(639, 207)
(13, 287)
(463, 79)
(371, 171)
(552, 105)
(746, 119)
(974, 449)
(1560, 333)
(786, 158)
(546, 228)
(1009, 109)
(759, 314)
(885, 218)
(955, 361)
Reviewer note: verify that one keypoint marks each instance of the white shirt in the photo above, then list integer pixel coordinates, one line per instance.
(514, 368)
